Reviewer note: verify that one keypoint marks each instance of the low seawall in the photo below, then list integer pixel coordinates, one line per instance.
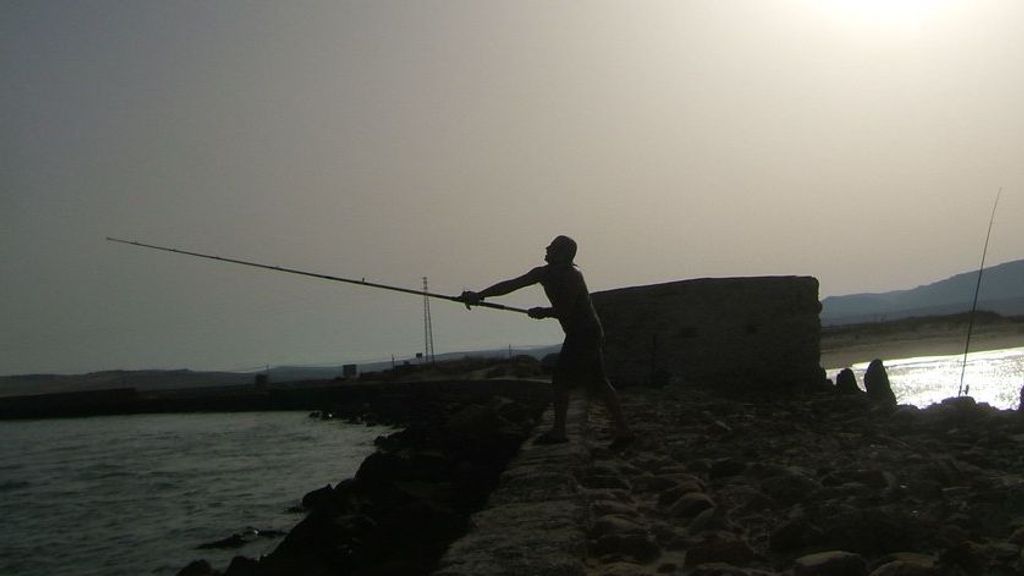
(395, 401)
(416, 494)
(534, 522)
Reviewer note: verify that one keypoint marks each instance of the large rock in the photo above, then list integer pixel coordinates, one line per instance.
(618, 525)
(905, 564)
(691, 504)
(875, 530)
(791, 487)
(795, 534)
(968, 555)
(321, 498)
(672, 495)
(638, 547)
(198, 568)
(726, 569)
(724, 467)
(846, 383)
(876, 382)
(735, 551)
(241, 566)
(832, 563)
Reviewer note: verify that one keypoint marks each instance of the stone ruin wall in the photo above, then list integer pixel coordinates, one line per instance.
(760, 332)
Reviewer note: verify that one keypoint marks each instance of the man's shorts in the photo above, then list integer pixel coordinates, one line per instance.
(580, 362)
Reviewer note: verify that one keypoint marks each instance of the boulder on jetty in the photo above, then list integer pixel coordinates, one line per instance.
(876, 383)
(846, 383)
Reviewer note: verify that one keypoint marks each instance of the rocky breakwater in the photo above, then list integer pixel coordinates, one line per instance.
(822, 485)
(408, 501)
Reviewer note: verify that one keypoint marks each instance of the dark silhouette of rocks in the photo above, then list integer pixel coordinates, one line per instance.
(876, 383)
(240, 539)
(820, 485)
(714, 485)
(846, 383)
(832, 563)
(408, 501)
(197, 568)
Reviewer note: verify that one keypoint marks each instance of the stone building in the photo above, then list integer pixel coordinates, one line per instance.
(760, 331)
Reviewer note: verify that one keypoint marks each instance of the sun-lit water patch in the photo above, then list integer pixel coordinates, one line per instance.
(994, 377)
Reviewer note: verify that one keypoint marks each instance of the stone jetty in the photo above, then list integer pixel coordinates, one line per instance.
(823, 484)
(414, 495)
(819, 483)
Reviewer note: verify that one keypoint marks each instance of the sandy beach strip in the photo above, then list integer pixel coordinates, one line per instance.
(847, 353)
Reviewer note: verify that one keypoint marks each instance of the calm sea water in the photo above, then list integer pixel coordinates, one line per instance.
(135, 495)
(994, 377)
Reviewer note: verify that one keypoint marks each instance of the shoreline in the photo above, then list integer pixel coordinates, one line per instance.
(842, 347)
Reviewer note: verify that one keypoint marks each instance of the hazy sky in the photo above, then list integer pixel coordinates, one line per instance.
(861, 142)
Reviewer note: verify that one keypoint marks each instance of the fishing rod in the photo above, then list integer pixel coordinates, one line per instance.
(977, 290)
(361, 282)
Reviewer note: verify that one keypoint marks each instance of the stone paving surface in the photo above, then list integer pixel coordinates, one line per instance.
(534, 523)
(825, 485)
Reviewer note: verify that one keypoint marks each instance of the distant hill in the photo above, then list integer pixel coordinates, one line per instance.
(143, 380)
(1002, 291)
(152, 380)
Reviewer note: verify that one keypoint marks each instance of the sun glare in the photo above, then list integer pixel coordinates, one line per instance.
(877, 16)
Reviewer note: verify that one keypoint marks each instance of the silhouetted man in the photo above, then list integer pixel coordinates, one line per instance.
(581, 360)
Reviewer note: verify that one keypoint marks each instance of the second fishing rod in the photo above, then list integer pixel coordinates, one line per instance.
(361, 282)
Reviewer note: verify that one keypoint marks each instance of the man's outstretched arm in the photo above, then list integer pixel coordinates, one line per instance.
(540, 313)
(503, 287)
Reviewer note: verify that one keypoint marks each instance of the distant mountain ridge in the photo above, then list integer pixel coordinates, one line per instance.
(1002, 291)
(153, 380)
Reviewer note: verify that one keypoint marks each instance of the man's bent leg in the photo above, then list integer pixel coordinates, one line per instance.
(557, 434)
(611, 401)
(560, 383)
(561, 412)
